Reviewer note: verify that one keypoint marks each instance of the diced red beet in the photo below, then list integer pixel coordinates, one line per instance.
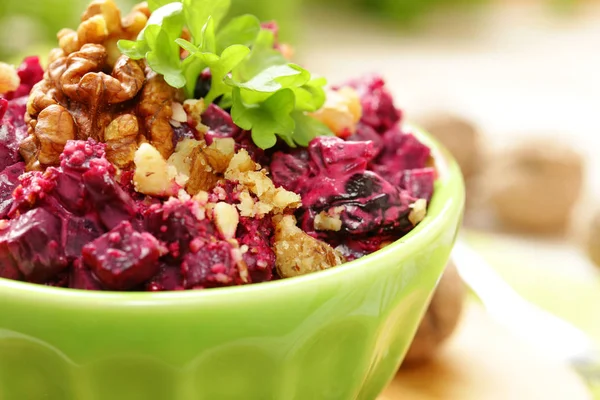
(33, 241)
(419, 182)
(30, 72)
(177, 223)
(211, 265)
(259, 257)
(403, 151)
(168, 278)
(34, 186)
(3, 107)
(378, 110)
(9, 180)
(79, 232)
(219, 123)
(123, 258)
(290, 170)
(365, 133)
(82, 277)
(112, 204)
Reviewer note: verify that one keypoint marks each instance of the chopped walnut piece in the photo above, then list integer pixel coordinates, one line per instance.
(226, 219)
(326, 222)
(202, 175)
(245, 171)
(298, 253)
(153, 176)
(121, 140)
(155, 110)
(418, 211)
(181, 159)
(341, 112)
(194, 109)
(9, 79)
(54, 128)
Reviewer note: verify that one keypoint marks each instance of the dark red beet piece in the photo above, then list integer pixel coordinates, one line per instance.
(168, 278)
(211, 265)
(30, 72)
(259, 258)
(402, 151)
(79, 232)
(33, 241)
(123, 258)
(378, 107)
(3, 107)
(82, 277)
(75, 160)
(34, 187)
(176, 223)
(9, 180)
(107, 198)
(290, 170)
(219, 123)
(365, 133)
(419, 182)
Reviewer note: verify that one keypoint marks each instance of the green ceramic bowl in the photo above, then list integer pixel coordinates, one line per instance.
(337, 334)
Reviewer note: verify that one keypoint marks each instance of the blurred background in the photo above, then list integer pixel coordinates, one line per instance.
(512, 87)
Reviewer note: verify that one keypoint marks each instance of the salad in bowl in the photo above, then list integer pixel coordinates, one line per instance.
(186, 213)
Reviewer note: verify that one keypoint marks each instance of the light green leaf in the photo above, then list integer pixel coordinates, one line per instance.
(220, 67)
(267, 119)
(307, 128)
(240, 30)
(197, 13)
(263, 56)
(273, 78)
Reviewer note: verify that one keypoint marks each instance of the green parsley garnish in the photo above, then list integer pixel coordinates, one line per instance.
(267, 94)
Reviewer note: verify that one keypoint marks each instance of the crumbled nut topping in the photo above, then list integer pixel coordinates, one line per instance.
(246, 172)
(342, 111)
(9, 79)
(226, 219)
(329, 222)
(418, 211)
(153, 175)
(298, 253)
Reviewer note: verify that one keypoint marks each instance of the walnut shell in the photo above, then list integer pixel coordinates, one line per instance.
(593, 239)
(460, 136)
(535, 185)
(441, 318)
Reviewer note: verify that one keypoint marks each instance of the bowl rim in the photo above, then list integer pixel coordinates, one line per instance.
(446, 203)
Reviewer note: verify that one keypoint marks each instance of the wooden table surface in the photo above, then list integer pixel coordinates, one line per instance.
(484, 362)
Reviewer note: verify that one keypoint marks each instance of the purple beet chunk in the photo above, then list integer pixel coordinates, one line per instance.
(259, 257)
(82, 277)
(168, 278)
(419, 182)
(10, 137)
(211, 265)
(176, 224)
(183, 131)
(76, 159)
(219, 122)
(79, 232)
(377, 103)
(3, 107)
(123, 258)
(366, 133)
(339, 157)
(9, 180)
(112, 204)
(402, 151)
(8, 266)
(34, 241)
(290, 170)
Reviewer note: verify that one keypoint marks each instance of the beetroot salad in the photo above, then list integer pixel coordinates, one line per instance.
(171, 149)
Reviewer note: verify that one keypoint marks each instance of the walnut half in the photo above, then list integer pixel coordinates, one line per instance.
(297, 253)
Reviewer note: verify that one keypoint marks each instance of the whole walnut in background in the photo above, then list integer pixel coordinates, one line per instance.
(534, 185)
(440, 320)
(460, 136)
(90, 90)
